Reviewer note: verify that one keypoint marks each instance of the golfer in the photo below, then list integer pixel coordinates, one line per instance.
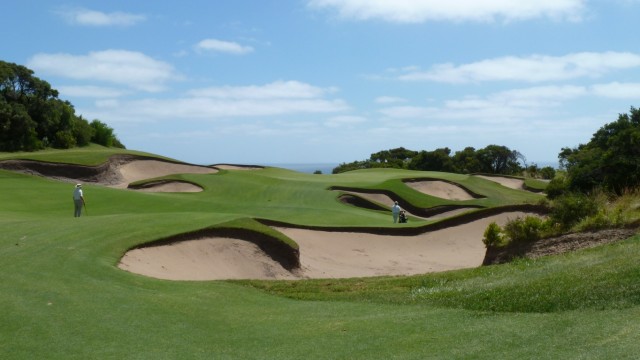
(78, 200)
(395, 210)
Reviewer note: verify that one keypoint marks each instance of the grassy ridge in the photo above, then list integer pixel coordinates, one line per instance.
(89, 155)
(64, 298)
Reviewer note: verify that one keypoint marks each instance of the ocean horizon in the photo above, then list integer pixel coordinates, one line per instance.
(325, 168)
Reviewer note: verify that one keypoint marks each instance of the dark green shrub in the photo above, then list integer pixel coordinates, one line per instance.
(548, 173)
(523, 230)
(492, 235)
(64, 140)
(571, 208)
(557, 187)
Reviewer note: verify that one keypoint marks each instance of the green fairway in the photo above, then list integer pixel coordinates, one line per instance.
(63, 297)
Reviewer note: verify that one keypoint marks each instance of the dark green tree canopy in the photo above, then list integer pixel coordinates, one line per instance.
(611, 159)
(32, 117)
(492, 159)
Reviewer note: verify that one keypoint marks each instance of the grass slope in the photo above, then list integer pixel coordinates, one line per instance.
(62, 296)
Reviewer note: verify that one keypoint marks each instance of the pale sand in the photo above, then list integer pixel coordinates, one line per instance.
(323, 254)
(517, 184)
(204, 259)
(147, 169)
(172, 186)
(380, 199)
(441, 189)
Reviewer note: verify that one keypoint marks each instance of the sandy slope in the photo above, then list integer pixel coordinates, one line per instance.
(441, 189)
(146, 169)
(172, 186)
(323, 254)
(505, 181)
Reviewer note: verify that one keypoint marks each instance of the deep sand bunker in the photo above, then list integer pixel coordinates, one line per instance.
(323, 254)
(512, 183)
(146, 169)
(118, 172)
(169, 186)
(440, 189)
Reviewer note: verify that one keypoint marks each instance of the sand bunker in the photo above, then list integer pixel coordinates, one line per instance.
(323, 254)
(147, 169)
(204, 259)
(170, 186)
(380, 199)
(512, 183)
(441, 189)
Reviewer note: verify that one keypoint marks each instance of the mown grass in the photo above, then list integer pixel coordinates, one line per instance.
(62, 296)
(90, 155)
(602, 279)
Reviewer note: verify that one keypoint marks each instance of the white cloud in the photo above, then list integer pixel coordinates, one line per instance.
(130, 68)
(274, 90)
(89, 91)
(389, 100)
(535, 68)
(348, 121)
(617, 90)
(417, 11)
(98, 18)
(406, 112)
(504, 107)
(223, 47)
(274, 99)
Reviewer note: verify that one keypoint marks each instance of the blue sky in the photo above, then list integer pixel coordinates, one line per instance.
(329, 81)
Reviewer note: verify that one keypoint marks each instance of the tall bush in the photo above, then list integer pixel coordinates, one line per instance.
(569, 209)
(523, 230)
(492, 235)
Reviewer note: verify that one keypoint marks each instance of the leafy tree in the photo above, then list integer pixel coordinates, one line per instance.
(611, 159)
(32, 117)
(547, 172)
(18, 130)
(103, 134)
(466, 161)
(496, 159)
(437, 160)
(83, 132)
(395, 158)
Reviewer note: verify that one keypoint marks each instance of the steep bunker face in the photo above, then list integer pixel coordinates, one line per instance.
(441, 189)
(209, 258)
(322, 254)
(168, 186)
(511, 183)
(147, 169)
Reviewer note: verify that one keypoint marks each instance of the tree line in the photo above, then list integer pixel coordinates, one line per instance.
(493, 159)
(609, 162)
(32, 117)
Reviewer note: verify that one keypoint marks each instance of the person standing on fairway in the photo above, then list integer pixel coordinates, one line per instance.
(395, 210)
(78, 200)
